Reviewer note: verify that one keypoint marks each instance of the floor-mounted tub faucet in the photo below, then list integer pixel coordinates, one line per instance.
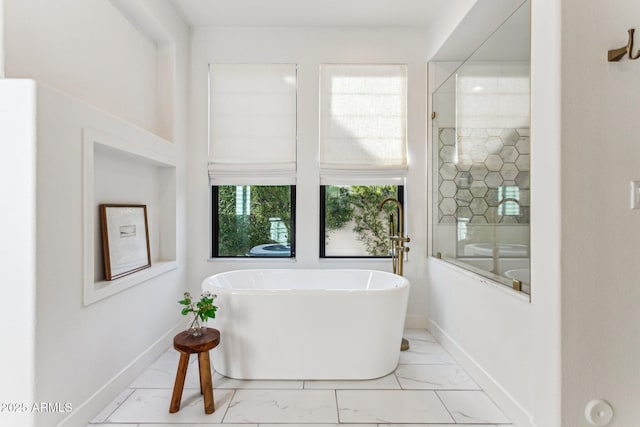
(397, 237)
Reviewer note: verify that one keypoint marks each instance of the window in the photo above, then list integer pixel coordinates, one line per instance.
(254, 220)
(252, 159)
(508, 200)
(351, 222)
(363, 157)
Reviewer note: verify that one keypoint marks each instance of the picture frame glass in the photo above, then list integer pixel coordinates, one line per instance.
(125, 239)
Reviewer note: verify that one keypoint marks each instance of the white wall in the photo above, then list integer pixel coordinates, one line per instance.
(461, 39)
(309, 47)
(91, 344)
(84, 355)
(87, 49)
(1, 38)
(439, 33)
(600, 238)
(513, 346)
(583, 312)
(487, 327)
(546, 215)
(76, 354)
(18, 260)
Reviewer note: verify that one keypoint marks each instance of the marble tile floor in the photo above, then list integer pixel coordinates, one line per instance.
(428, 388)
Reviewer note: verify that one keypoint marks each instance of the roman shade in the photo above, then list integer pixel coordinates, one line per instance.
(252, 124)
(363, 124)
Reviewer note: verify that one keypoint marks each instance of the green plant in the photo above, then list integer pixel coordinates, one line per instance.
(371, 225)
(239, 232)
(338, 209)
(202, 310)
(361, 204)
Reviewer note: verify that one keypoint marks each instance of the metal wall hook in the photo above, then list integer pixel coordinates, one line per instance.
(615, 55)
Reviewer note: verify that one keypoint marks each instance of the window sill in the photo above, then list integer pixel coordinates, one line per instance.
(251, 259)
(103, 289)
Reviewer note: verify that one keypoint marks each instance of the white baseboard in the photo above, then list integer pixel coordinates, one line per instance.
(87, 410)
(500, 396)
(414, 322)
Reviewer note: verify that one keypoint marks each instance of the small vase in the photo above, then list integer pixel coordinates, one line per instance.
(195, 329)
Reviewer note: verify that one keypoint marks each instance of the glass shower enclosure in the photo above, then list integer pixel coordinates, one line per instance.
(481, 159)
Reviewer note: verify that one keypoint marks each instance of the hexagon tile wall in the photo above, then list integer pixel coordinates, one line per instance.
(485, 166)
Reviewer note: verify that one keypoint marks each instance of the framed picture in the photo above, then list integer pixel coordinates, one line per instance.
(125, 239)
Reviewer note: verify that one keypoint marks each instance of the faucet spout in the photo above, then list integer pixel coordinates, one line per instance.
(496, 249)
(397, 239)
(400, 213)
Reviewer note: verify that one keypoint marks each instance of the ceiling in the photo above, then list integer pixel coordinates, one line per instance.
(316, 13)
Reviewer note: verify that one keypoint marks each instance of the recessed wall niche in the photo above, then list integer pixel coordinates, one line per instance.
(133, 172)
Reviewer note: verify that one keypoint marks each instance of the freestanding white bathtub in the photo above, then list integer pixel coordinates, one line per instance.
(308, 324)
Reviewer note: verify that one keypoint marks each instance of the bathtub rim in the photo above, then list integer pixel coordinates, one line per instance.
(404, 283)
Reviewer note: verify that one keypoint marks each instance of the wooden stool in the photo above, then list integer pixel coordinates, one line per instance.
(187, 344)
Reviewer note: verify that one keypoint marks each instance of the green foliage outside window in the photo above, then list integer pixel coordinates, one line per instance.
(361, 203)
(246, 215)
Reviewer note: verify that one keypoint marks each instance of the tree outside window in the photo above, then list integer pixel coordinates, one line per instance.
(254, 220)
(354, 226)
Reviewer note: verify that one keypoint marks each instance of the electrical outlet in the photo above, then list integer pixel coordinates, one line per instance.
(635, 194)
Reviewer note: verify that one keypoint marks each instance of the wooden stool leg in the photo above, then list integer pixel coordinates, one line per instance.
(206, 384)
(179, 384)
